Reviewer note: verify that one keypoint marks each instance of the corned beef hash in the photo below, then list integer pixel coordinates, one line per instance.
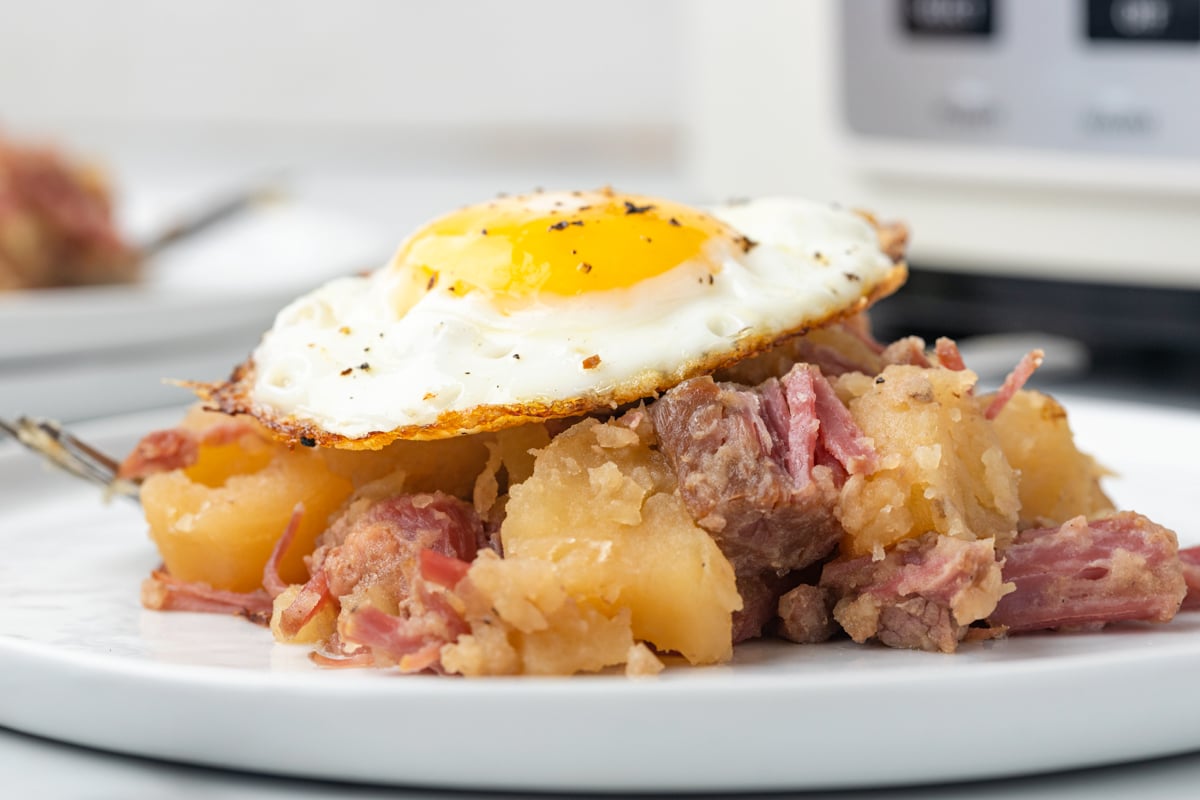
(563, 432)
(56, 222)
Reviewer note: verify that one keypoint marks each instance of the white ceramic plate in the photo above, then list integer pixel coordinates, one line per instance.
(82, 662)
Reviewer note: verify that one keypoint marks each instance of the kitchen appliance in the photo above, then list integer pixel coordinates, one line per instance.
(1046, 155)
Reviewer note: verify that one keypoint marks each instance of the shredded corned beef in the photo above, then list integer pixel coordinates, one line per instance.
(336, 654)
(377, 544)
(1014, 381)
(1118, 568)
(162, 592)
(760, 469)
(177, 448)
(806, 614)
(413, 640)
(274, 584)
(909, 350)
(393, 551)
(921, 595)
(442, 570)
(1189, 560)
(948, 355)
(160, 451)
(313, 596)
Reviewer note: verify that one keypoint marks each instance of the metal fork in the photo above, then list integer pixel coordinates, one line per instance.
(67, 452)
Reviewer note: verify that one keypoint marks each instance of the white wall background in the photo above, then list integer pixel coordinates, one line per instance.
(386, 109)
(397, 62)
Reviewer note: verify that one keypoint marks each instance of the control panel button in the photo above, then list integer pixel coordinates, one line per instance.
(970, 18)
(1144, 20)
(969, 103)
(1116, 113)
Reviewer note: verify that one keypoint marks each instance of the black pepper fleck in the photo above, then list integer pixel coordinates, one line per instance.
(879, 379)
(517, 356)
(630, 208)
(308, 441)
(584, 267)
(673, 222)
(432, 282)
(346, 371)
(850, 276)
(483, 231)
(365, 367)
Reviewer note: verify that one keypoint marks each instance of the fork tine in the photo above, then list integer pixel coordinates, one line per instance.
(103, 464)
(69, 453)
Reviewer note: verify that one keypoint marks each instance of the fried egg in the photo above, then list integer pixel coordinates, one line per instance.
(552, 304)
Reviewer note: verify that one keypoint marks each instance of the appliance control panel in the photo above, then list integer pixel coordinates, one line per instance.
(1085, 76)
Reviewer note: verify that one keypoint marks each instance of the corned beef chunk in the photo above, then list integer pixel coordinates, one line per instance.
(922, 594)
(1087, 574)
(806, 614)
(1189, 559)
(760, 470)
(376, 544)
(377, 560)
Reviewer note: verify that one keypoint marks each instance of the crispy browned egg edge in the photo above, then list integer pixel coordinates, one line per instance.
(233, 396)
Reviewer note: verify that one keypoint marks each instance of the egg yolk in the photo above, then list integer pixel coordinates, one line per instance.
(565, 244)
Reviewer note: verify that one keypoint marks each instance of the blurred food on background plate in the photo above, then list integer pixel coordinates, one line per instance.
(56, 222)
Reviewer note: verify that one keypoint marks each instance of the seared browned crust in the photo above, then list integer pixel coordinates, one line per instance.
(233, 396)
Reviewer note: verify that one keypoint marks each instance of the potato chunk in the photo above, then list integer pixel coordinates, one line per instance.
(317, 629)
(942, 465)
(1056, 481)
(218, 520)
(524, 622)
(445, 465)
(601, 507)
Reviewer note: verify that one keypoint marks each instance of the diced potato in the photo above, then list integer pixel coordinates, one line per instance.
(523, 622)
(601, 507)
(942, 466)
(510, 461)
(1056, 481)
(217, 520)
(317, 629)
(447, 465)
(220, 526)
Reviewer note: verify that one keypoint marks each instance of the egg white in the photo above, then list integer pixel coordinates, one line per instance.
(341, 361)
